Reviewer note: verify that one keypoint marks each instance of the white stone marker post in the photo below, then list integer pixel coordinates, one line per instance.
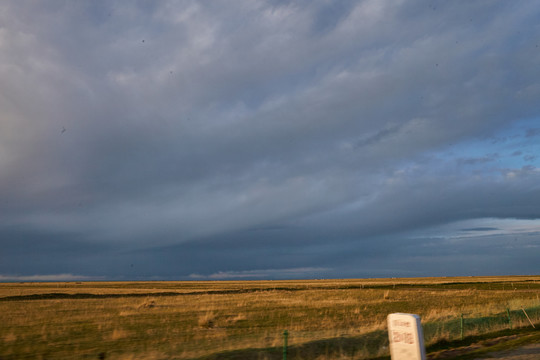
(406, 337)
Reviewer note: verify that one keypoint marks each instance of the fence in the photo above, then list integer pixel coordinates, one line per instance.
(460, 327)
(375, 343)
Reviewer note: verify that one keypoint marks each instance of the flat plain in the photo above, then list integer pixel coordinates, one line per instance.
(325, 319)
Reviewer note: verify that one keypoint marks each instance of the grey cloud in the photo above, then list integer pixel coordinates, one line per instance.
(532, 132)
(49, 277)
(296, 119)
(379, 136)
(29, 252)
(299, 273)
(480, 160)
(480, 229)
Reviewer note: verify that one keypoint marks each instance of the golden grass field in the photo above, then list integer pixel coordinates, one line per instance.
(326, 319)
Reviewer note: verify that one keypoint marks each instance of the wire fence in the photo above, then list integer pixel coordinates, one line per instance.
(375, 343)
(466, 325)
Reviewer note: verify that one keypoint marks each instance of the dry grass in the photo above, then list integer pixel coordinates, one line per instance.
(118, 334)
(207, 321)
(186, 320)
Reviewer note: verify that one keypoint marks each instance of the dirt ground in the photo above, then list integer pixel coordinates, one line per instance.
(527, 352)
(530, 351)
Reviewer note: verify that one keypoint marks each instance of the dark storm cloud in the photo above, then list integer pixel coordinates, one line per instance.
(28, 252)
(179, 137)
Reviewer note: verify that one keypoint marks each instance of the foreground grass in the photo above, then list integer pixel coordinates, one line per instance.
(326, 319)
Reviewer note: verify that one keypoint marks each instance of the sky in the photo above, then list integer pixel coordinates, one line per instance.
(247, 139)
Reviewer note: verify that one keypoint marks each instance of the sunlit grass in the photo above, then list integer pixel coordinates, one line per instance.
(184, 320)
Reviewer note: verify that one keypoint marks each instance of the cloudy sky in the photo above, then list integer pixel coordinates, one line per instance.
(268, 139)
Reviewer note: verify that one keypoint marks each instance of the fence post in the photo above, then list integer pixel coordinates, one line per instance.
(509, 319)
(285, 335)
(461, 326)
(528, 318)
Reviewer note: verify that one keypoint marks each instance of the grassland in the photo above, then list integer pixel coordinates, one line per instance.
(326, 319)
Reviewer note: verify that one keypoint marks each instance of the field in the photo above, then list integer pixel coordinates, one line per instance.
(325, 319)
